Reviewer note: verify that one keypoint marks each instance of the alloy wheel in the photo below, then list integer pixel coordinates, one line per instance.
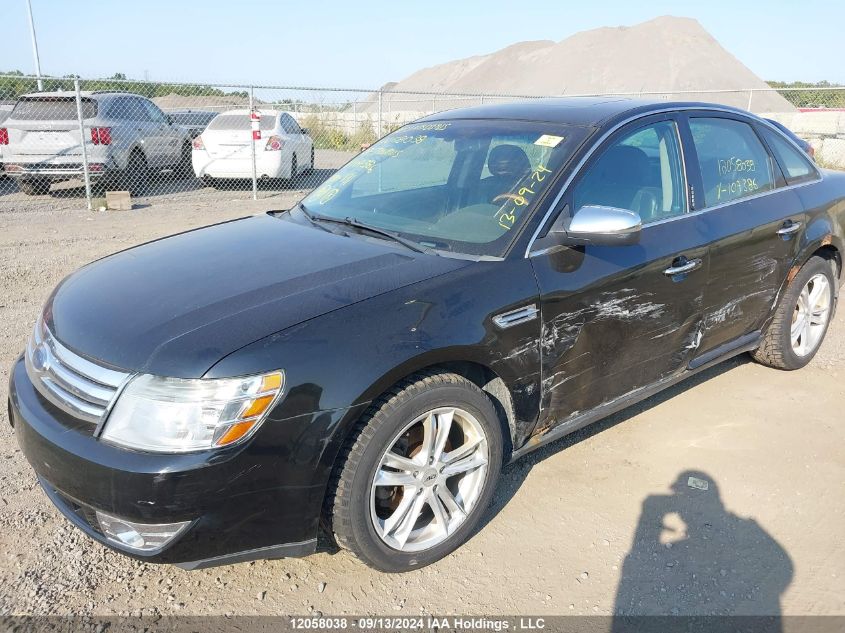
(429, 479)
(811, 315)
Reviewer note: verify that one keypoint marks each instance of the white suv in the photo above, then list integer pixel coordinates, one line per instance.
(125, 135)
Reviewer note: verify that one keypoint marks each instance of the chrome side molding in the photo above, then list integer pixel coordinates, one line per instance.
(515, 317)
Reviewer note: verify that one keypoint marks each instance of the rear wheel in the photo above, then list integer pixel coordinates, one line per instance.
(34, 187)
(801, 319)
(293, 169)
(135, 176)
(185, 167)
(418, 473)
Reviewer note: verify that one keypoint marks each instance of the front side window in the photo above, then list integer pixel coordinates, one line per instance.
(796, 166)
(642, 172)
(733, 162)
(466, 186)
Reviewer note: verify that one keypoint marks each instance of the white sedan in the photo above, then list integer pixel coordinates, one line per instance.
(224, 149)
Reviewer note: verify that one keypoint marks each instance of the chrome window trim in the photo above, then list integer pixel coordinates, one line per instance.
(705, 109)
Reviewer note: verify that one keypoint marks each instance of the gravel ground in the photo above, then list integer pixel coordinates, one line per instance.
(589, 525)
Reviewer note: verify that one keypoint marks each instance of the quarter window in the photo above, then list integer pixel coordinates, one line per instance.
(796, 166)
(642, 172)
(733, 162)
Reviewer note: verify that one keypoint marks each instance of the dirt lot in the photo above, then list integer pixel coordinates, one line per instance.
(589, 525)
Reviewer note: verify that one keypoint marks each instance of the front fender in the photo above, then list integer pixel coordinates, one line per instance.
(347, 358)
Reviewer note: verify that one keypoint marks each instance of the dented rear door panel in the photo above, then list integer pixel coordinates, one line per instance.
(749, 263)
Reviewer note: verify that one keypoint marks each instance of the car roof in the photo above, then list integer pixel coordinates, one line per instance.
(258, 109)
(578, 111)
(82, 93)
(190, 111)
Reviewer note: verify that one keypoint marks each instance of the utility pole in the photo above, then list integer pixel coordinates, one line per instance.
(34, 45)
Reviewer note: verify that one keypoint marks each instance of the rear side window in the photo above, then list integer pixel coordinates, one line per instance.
(241, 122)
(52, 109)
(795, 165)
(128, 109)
(734, 163)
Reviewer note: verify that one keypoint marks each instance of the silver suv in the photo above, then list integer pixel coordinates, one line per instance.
(126, 136)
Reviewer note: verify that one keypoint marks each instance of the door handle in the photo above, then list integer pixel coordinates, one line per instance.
(789, 228)
(684, 266)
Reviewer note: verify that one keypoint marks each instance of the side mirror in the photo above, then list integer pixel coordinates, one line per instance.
(304, 130)
(169, 119)
(602, 226)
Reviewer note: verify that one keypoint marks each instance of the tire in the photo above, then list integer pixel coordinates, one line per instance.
(34, 187)
(781, 348)
(208, 181)
(185, 167)
(136, 176)
(293, 175)
(311, 167)
(356, 505)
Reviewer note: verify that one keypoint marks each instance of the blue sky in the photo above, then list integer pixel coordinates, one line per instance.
(365, 44)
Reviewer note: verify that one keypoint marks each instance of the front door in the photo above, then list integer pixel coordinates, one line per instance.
(618, 318)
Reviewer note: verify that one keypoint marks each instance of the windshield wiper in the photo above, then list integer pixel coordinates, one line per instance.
(310, 217)
(372, 229)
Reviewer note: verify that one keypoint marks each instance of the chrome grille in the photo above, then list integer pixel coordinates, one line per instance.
(83, 389)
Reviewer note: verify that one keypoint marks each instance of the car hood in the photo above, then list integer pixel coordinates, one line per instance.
(176, 306)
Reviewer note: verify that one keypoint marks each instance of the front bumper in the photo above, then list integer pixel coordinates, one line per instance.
(243, 502)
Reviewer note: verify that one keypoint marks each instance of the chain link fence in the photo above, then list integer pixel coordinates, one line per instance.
(74, 139)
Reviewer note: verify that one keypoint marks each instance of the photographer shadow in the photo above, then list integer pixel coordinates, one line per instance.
(691, 556)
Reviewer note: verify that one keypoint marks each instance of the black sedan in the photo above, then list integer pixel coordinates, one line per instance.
(194, 121)
(471, 287)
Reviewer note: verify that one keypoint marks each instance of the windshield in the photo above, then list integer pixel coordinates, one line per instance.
(465, 186)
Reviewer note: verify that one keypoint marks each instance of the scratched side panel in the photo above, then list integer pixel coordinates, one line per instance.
(355, 354)
(613, 321)
(749, 263)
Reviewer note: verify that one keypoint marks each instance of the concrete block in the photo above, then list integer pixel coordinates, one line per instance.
(118, 201)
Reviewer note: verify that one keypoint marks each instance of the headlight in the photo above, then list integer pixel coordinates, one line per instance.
(175, 415)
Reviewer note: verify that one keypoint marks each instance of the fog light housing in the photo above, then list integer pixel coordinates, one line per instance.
(139, 537)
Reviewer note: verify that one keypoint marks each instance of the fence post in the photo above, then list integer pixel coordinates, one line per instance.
(79, 118)
(750, 96)
(254, 174)
(378, 128)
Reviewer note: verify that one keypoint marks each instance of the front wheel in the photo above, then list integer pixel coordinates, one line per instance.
(418, 473)
(802, 317)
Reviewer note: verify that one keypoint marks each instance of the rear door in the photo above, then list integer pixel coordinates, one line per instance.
(754, 221)
(619, 318)
(165, 141)
(45, 129)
